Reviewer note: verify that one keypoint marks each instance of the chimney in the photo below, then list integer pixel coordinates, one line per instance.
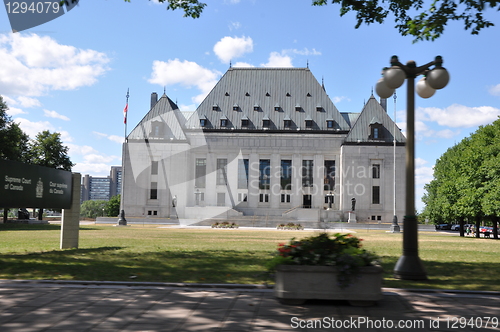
(383, 103)
(154, 99)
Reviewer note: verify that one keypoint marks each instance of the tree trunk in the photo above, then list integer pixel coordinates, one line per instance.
(478, 223)
(462, 230)
(5, 214)
(40, 214)
(495, 227)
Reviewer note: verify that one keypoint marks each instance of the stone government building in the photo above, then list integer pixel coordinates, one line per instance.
(264, 142)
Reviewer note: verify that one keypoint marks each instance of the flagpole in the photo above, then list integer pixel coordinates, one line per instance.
(126, 113)
(122, 221)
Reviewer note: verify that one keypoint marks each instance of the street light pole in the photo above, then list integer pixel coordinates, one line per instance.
(409, 265)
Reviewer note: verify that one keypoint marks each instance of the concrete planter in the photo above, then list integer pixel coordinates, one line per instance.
(297, 283)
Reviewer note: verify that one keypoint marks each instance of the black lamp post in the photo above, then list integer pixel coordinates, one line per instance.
(409, 265)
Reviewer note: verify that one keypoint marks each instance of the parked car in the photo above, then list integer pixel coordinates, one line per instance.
(443, 226)
(455, 227)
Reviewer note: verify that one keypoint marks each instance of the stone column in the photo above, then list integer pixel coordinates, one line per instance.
(70, 222)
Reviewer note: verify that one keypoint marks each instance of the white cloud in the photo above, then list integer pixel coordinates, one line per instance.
(97, 158)
(33, 128)
(33, 65)
(28, 102)
(114, 138)
(461, 116)
(234, 26)
(229, 48)
(338, 99)
(55, 115)
(185, 73)
(495, 90)
(95, 169)
(278, 60)
(243, 65)
(304, 51)
(423, 175)
(15, 111)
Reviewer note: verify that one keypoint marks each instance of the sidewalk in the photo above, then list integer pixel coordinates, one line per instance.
(103, 306)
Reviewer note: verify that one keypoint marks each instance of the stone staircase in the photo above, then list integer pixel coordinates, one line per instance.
(260, 221)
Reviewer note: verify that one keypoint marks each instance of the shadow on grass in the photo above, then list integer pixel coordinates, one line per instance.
(37, 227)
(114, 264)
(448, 275)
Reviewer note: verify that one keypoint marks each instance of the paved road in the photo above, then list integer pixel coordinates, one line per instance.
(103, 306)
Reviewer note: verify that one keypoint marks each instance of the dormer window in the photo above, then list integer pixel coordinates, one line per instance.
(266, 123)
(309, 123)
(277, 107)
(287, 123)
(330, 124)
(256, 107)
(203, 122)
(319, 109)
(298, 108)
(244, 123)
(247, 94)
(223, 122)
(376, 130)
(236, 107)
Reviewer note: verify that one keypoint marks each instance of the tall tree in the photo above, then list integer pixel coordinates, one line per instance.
(13, 141)
(47, 150)
(411, 17)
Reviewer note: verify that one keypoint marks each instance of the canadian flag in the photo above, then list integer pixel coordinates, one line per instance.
(125, 110)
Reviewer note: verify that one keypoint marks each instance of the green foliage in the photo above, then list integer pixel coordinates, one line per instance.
(93, 208)
(466, 180)
(342, 250)
(47, 150)
(112, 208)
(14, 142)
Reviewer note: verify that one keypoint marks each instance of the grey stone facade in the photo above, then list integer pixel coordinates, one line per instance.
(264, 142)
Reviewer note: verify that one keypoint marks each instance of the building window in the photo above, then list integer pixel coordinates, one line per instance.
(264, 173)
(221, 199)
(242, 197)
(287, 123)
(154, 168)
(244, 123)
(319, 109)
(256, 108)
(236, 107)
(223, 122)
(330, 124)
(152, 213)
(376, 131)
(200, 172)
(309, 123)
(376, 171)
(242, 173)
(375, 195)
(203, 122)
(264, 198)
(286, 175)
(285, 198)
(277, 108)
(298, 109)
(329, 176)
(307, 173)
(221, 172)
(215, 108)
(266, 123)
(153, 192)
(157, 129)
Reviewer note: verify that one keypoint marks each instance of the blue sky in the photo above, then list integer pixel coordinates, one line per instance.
(71, 75)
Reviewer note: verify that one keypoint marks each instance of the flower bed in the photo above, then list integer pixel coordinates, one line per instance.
(290, 226)
(225, 224)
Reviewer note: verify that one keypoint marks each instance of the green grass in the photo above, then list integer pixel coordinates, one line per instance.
(148, 253)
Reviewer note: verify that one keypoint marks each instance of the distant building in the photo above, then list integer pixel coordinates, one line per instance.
(102, 188)
(265, 141)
